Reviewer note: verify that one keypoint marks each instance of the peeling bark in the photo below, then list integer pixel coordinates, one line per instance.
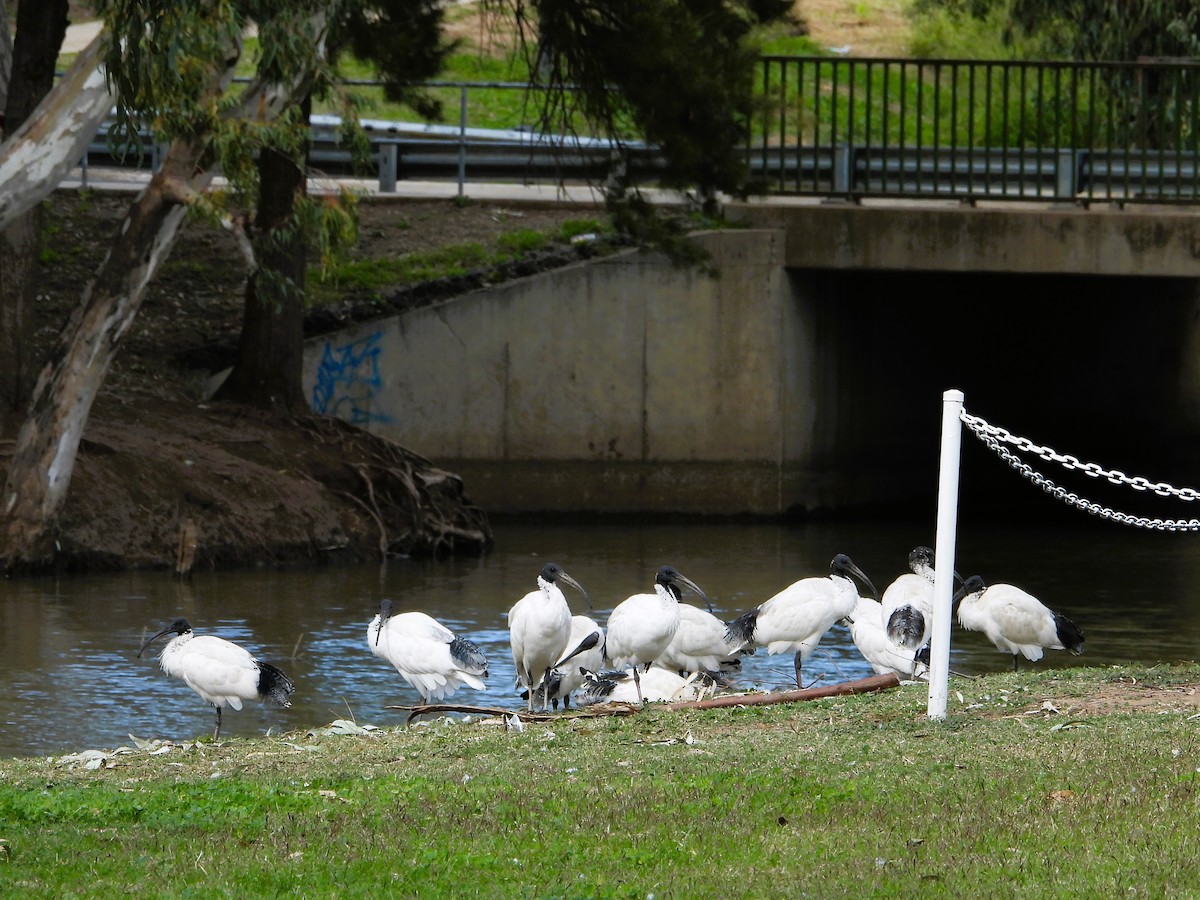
(44, 458)
(52, 140)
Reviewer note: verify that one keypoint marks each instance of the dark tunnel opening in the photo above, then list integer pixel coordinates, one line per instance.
(1094, 367)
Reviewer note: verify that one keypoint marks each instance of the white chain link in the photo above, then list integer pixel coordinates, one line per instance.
(995, 438)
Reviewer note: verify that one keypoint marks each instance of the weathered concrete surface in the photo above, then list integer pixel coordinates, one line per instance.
(1013, 238)
(624, 385)
(619, 385)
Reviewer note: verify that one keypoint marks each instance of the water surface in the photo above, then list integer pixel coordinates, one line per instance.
(72, 682)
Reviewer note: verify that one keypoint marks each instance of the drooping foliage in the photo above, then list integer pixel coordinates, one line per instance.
(679, 70)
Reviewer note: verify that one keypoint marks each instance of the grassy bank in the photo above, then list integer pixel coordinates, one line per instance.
(1079, 782)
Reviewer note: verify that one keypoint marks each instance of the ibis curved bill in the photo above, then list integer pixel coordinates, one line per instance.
(427, 654)
(585, 650)
(1014, 620)
(795, 619)
(221, 672)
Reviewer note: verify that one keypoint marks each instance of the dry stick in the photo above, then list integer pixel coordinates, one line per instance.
(860, 686)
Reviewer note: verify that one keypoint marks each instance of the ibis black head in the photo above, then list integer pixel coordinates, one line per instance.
(386, 609)
(179, 626)
(920, 561)
(552, 573)
(842, 565)
(973, 585)
(671, 579)
(921, 558)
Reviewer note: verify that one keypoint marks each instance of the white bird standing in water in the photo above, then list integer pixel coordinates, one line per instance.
(700, 644)
(907, 612)
(427, 654)
(539, 629)
(795, 619)
(641, 626)
(866, 628)
(221, 672)
(1014, 621)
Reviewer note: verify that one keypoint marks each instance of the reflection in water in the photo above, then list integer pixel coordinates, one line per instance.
(69, 673)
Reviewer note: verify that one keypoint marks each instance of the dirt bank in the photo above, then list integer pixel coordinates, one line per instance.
(161, 473)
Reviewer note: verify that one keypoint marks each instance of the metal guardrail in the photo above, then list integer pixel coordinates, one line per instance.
(861, 128)
(968, 129)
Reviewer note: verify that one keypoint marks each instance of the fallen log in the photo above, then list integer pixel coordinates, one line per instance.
(858, 686)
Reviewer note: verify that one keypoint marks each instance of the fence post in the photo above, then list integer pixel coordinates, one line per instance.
(387, 167)
(1064, 182)
(841, 169)
(943, 585)
(462, 140)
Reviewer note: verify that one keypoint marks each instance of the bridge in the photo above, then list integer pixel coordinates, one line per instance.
(1024, 232)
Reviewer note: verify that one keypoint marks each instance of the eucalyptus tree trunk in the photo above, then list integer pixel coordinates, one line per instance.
(43, 26)
(53, 138)
(44, 458)
(267, 372)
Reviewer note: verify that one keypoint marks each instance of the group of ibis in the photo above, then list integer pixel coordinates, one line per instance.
(654, 646)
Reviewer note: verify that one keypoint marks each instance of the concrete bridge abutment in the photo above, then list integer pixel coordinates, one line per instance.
(807, 376)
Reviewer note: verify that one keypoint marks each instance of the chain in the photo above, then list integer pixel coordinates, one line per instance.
(995, 438)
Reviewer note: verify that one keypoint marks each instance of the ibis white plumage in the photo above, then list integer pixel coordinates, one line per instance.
(907, 604)
(427, 654)
(539, 629)
(641, 627)
(586, 651)
(655, 684)
(1014, 620)
(701, 644)
(221, 672)
(795, 619)
(872, 641)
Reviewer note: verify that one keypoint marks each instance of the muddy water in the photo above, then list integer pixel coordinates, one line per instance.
(71, 681)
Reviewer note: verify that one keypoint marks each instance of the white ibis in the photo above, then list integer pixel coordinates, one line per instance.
(1015, 621)
(795, 619)
(586, 652)
(656, 684)
(539, 628)
(907, 612)
(427, 654)
(872, 641)
(700, 644)
(641, 627)
(221, 672)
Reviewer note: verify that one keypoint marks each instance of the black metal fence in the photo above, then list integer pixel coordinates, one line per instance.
(861, 128)
(973, 130)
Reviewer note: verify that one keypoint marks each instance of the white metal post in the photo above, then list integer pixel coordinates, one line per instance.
(943, 583)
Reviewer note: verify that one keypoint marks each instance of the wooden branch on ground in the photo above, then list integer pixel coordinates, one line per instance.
(609, 709)
(845, 688)
(859, 686)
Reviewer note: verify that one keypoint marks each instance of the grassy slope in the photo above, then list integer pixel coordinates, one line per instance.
(842, 797)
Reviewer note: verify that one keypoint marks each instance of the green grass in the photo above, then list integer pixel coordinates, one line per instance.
(371, 277)
(857, 796)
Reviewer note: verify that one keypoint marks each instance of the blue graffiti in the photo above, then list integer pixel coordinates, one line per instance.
(347, 380)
